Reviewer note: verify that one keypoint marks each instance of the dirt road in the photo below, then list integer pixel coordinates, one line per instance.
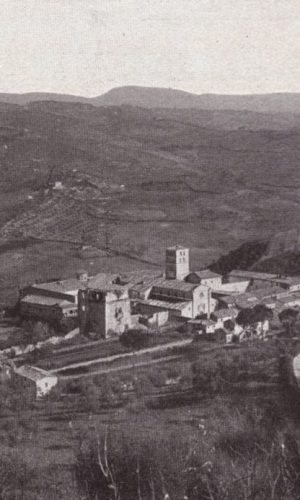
(132, 365)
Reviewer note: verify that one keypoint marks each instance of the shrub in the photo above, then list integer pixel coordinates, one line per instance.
(235, 456)
(136, 338)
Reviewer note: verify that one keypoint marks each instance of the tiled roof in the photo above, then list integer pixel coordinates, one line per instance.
(177, 247)
(164, 304)
(179, 285)
(113, 288)
(244, 303)
(208, 322)
(269, 301)
(139, 277)
(205, 274)
(228, 299)
(288, 280)
(102, 279)
(45, 301)
(32, 372)
(290, 298)
(252, 274)
(143, 287)
(263, 293)
(63, 286)
(226, 313)
(260, 294)
(237, 279)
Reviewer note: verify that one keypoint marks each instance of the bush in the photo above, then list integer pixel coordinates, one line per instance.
(136, 338)
(237, 455)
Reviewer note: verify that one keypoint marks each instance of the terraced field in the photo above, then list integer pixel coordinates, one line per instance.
(137, 180)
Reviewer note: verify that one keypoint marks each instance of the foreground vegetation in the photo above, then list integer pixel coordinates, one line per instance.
(132, 437)
(244, 450)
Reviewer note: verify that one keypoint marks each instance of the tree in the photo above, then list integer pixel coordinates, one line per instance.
(136, 338)
(256, 314)
(261, 313)
(244, 317)
(288, 318)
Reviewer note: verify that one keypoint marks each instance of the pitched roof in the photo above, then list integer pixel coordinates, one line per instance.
(162, 304)
(177, 247)
(33, 373)
(43, 300)
(143, 287)
(230, 312)
(228, 299)
(102, 279)
(62, 286)
(289, 298)
(252, 274)
(205, 274)
(178, 285)
(140, 276)
(288, 280)
(262, 293)
(112, 288)
(208, 322)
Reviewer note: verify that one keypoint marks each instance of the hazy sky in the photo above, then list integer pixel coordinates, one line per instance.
(87, 47)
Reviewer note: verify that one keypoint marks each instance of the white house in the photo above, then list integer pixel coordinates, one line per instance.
(41, 381)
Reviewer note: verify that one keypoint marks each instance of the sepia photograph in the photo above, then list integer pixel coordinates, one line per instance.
(150, 250)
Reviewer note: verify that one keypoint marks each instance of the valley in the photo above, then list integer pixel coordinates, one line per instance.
(128, 181)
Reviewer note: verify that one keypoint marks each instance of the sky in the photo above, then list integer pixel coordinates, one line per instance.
(86, 47)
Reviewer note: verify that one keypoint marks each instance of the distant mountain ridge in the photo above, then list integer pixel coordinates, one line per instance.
(153, 97)
(169, 98)
(29, 97)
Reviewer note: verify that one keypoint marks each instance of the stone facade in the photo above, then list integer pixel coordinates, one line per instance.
(104, 312)
(177, 263)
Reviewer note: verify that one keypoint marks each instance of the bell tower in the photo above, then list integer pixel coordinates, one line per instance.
(177, 263)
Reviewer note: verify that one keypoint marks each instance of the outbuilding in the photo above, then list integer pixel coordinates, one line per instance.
(39, 381)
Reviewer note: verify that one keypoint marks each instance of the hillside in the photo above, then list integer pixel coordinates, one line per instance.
(29, 97)
(171, 98)
(278, 255)
(136, 180)
(150, 98)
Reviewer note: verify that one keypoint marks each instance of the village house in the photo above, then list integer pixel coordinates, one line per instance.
(199, 326)
(256, 279)
(292, 300)
(174, 309)
(53, 300)
(262, 328)
(220, 316)
(224, 301)
(205, 277)
(259, 296)
(234, 287)
(39, 381)
(290, 283)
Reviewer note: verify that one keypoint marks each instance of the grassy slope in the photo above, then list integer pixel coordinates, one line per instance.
(211, 180)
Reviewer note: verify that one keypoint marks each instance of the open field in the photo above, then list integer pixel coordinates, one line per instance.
(147, 408)
(133, 180)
